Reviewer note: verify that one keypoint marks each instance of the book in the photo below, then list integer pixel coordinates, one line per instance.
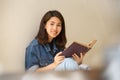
(78, 48)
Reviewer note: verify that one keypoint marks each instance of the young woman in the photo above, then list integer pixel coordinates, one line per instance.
(44, 52)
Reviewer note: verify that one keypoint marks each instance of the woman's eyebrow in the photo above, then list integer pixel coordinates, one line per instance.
(55, 22)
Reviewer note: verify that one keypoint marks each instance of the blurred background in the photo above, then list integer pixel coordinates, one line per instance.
(85, 20)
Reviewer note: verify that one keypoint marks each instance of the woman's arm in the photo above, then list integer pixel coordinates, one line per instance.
(57, 60)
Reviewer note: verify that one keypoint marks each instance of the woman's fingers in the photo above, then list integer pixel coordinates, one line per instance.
(81, 55)
(58, 53)
(59, 58)
(75, 56)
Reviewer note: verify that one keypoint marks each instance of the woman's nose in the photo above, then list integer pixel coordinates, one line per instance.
(54, 27)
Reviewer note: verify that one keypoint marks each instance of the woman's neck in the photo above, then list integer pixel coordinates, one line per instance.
(50, 39)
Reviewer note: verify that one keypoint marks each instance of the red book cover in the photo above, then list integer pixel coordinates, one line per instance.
(77, 48)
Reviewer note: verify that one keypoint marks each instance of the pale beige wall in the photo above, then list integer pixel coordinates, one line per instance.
(85, 20)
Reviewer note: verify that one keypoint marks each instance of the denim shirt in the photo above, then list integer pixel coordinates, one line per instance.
(40, 55)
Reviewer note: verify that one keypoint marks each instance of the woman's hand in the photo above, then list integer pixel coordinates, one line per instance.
(58, 58)
(77, 58)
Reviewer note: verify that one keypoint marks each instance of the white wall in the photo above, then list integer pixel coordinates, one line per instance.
(85, 20)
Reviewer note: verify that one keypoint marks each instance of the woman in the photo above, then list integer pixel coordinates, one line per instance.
(44, 52)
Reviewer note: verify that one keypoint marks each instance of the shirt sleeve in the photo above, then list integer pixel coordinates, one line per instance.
(31, 58)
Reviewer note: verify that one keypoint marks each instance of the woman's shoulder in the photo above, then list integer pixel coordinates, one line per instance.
(34, 42)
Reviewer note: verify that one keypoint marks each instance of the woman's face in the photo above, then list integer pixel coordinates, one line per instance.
(53, 27)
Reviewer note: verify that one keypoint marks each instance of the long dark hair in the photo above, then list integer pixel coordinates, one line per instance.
(42, 35)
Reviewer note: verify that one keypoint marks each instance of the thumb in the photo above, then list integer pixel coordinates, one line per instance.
(81, 55)
(60, 53)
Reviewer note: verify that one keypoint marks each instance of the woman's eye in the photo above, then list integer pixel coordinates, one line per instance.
(52, 24)
(59, 25)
